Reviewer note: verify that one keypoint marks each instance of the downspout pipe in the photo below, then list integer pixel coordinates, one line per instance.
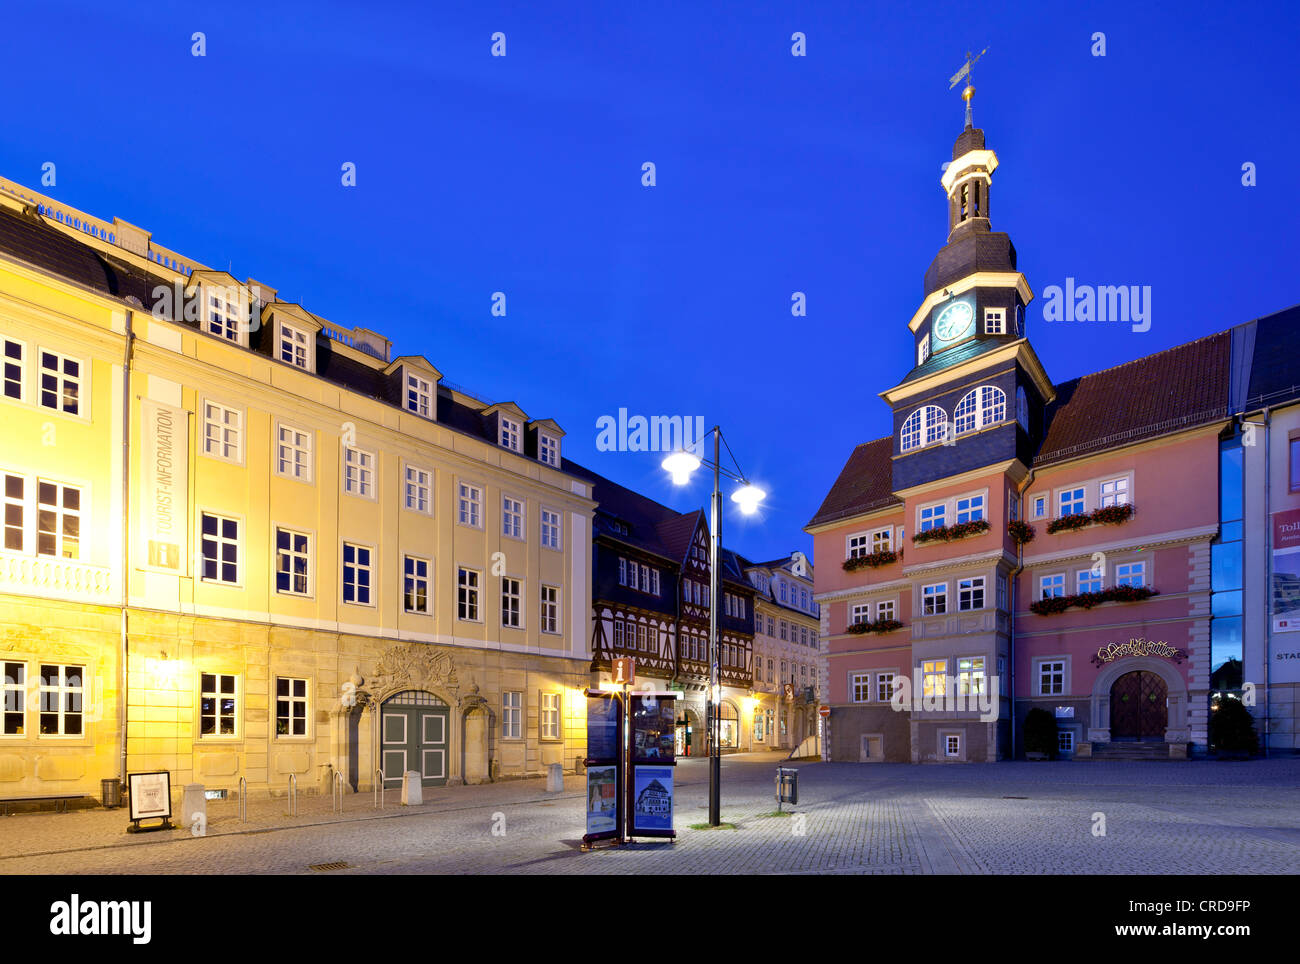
(124, 575)
(1014, 579)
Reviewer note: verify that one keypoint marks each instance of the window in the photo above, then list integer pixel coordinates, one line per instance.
(293, 346)
(934, 599)
(551, 532)
(60, 383)
(1002, 593)
(469, 502)
(622, 571)
(1131, 574)
(419, 395)
(986, 405)
(654, 582)
(884, 687)
(934, 678)
(550, 616)
(923, 349)
(293, 453)
(771, 626)
(359, 473)
(1089, 581)
(1071, 501)
(548, 449)
(929, 424)
(550, 716)
(291, 562)
(970, 593)
(512, 517)
(882, 540)
(61, 691)
(932, 517)
(356, 574)
(219, 548)
(970, 675)
(512, 703)
(509, 434)
(58, 520)
(1065, 741)
(861, 613)
(884, 609)
(1022, 408)
(418, 489)
(223, 317)
(952, 745)
(861, 686)
(803, 635)
(415, 585)
(1294, 448)
(1051, 587)
(467, 585)
(15, 508)
(970, 509)
(1114, 492)
(1040, 506)
(1051, 677)
(13, 699)
(784, 629)
(758, 726)
(14, 369)
(222, 429)
(771, 674)
(782, 592)
(858, 546)
(217, 697)
(290, 706)
(995, 321)
(511, 593)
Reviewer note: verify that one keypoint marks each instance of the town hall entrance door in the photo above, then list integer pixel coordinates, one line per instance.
(413, 735)
(1139, 707)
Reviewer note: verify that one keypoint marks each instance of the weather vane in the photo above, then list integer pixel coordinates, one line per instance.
(969, 91)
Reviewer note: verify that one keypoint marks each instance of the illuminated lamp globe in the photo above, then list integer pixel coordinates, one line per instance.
(748, 497)
(680, 465)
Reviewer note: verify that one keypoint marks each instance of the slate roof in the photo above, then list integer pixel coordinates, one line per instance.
(864, 484)
(954, 356)
(29, 238)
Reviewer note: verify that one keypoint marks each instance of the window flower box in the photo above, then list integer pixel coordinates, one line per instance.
(1086, 600)
(1021, 532)
(1068, 523)
(878, 626)
(1110, 515)
(873, 560)
(958, 530)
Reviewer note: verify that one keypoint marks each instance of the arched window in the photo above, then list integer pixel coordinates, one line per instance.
(923, 427)
(986, 405)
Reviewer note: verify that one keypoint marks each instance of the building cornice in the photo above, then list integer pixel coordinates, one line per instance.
(1135, 544)
(980, 279)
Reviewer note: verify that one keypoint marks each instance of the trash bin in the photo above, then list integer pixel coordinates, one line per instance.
(111, 791)
(787, 785)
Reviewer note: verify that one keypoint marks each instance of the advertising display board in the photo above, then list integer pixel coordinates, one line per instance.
(604, 763)
(653, 756)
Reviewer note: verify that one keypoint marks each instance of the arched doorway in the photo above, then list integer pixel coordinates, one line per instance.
(413, 733)
(688, 742)
(1139, 707)
(728, 725)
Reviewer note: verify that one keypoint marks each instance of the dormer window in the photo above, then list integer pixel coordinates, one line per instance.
(294, 345)
(419, 395)
(222, 316)
(509, 434)
(548, 449)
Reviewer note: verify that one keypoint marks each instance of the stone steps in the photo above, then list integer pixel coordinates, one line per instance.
(1130, 751)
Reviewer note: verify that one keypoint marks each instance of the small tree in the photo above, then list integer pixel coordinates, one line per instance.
(1040, 732)
(1232, 728)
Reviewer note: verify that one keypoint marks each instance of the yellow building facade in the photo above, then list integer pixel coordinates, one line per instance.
(243, 542)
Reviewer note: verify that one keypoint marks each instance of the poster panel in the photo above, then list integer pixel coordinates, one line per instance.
(150, 795)
(602, 800)
(603, 728)
(654, 728)
(164, 478)
(652, 800)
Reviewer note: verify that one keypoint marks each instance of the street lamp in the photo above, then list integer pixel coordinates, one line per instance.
(680, 465)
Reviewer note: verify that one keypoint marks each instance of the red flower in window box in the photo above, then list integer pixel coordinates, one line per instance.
(1021, 532)
(873, 560)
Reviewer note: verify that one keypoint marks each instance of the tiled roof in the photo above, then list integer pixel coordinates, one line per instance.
(1171, 390)
(865, 483)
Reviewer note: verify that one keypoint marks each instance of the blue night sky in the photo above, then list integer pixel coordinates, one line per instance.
(776, 174)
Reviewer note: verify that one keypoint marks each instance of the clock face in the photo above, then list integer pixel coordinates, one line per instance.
(954, 321)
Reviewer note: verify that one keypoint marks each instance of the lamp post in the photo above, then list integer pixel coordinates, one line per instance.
(680, 465)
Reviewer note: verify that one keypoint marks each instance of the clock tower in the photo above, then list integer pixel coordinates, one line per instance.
(976, 392)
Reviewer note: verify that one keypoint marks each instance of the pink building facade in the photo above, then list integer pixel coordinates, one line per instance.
(1019, 544)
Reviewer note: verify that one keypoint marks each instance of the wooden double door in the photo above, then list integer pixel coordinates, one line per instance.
(413, 733)
(1139, 707)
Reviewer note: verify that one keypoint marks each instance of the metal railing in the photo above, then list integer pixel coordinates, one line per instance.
(336, 792)
(243, 800)
(379, 788)
(293, 795)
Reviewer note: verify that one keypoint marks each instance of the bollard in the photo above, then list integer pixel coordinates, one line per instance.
(194, 809)
(379, 788)
(412, 791)
(243, 800)
(336, 792)
(555, 778)
(293, 795)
